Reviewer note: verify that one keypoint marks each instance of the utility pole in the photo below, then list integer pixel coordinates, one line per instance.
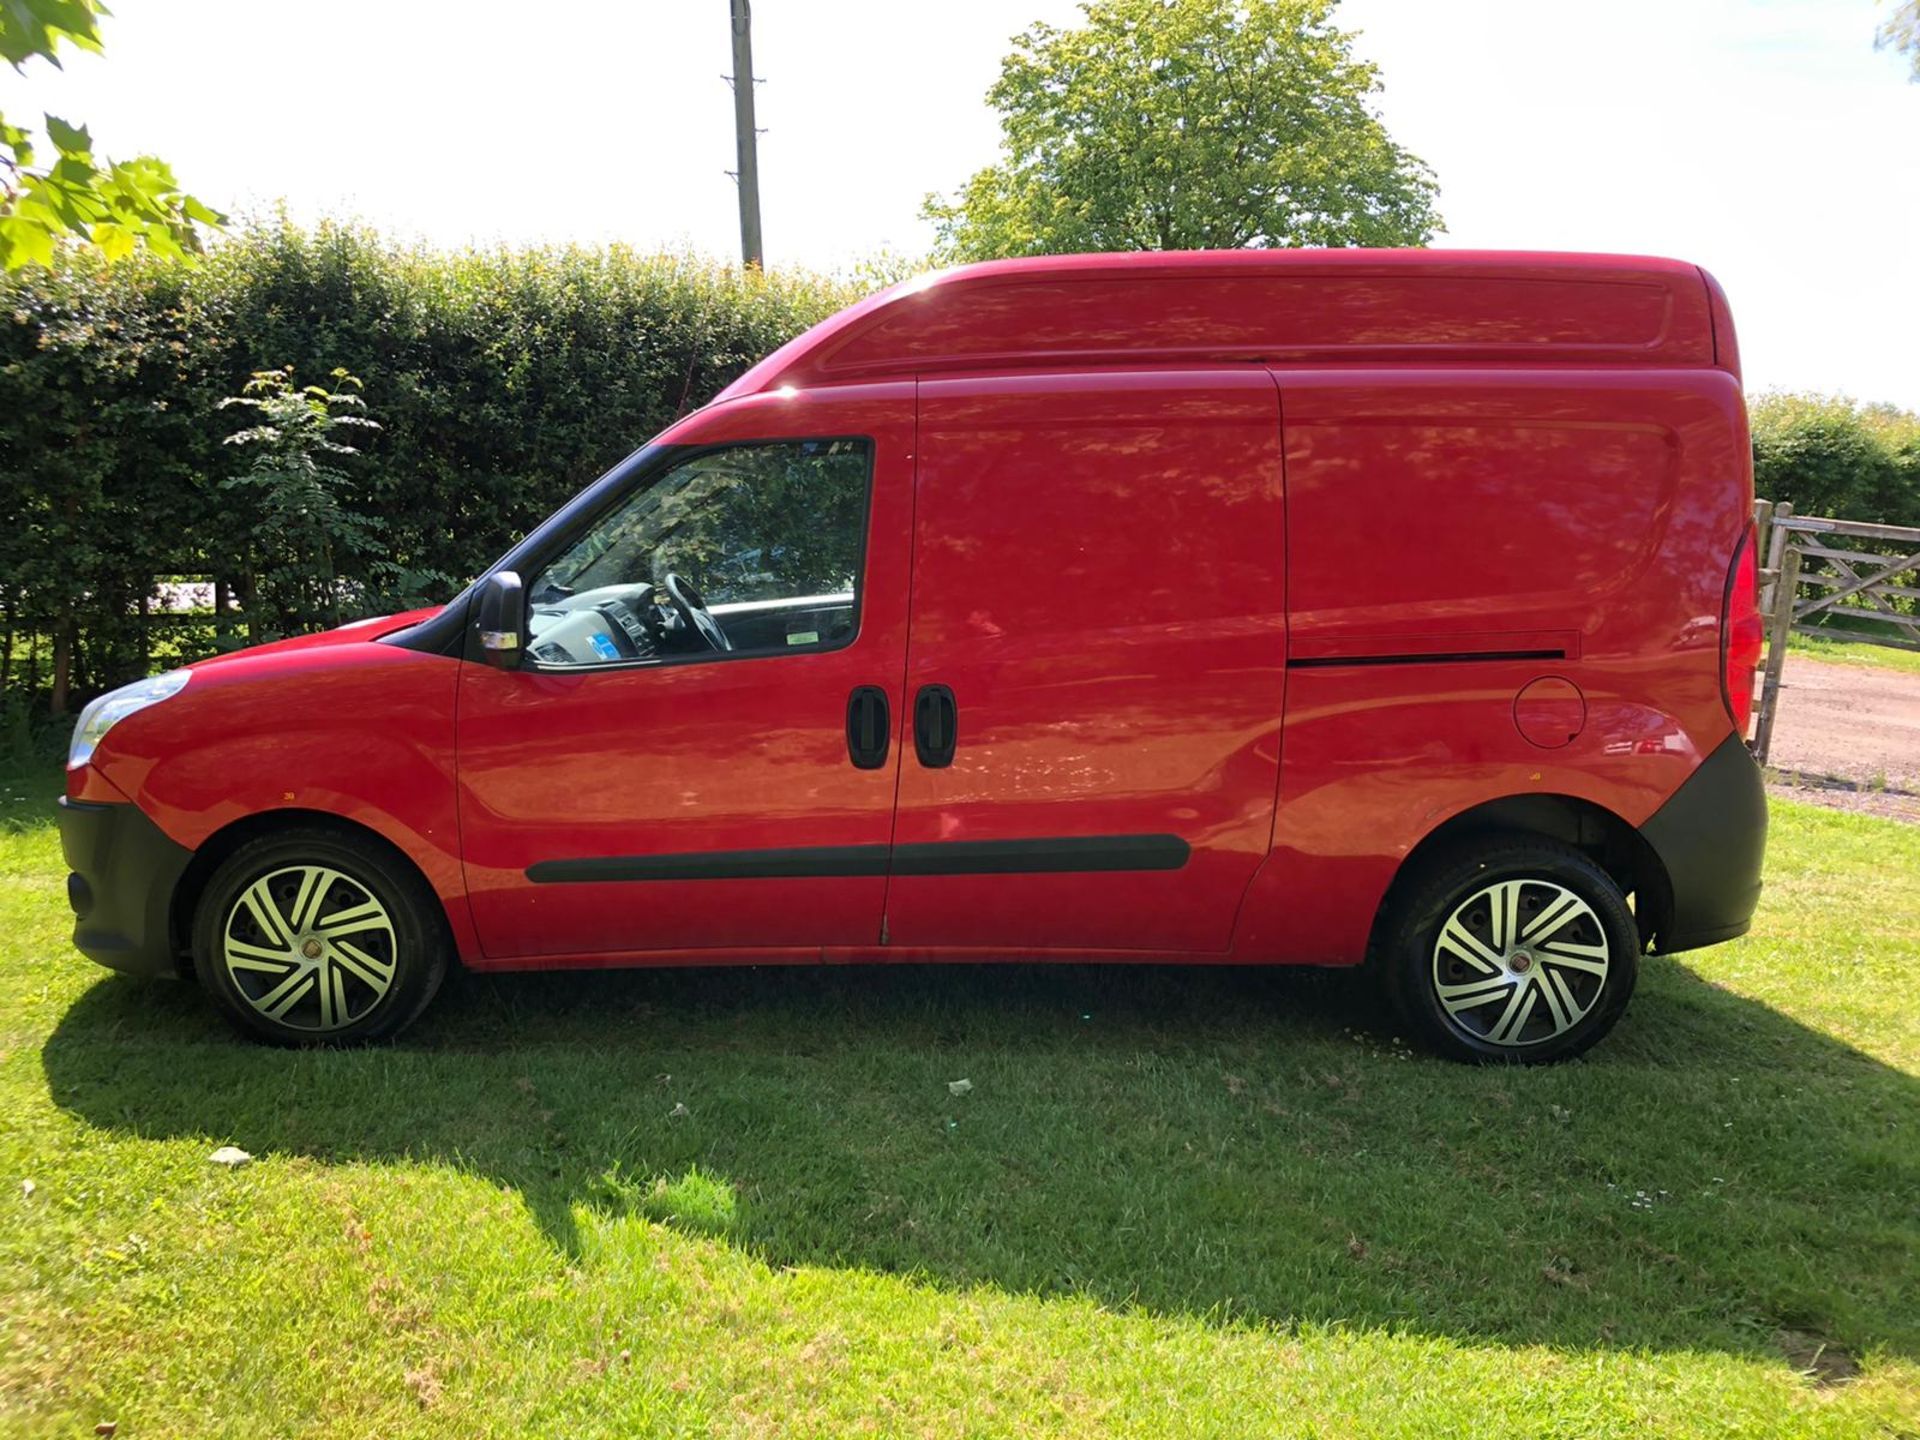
(748, 174)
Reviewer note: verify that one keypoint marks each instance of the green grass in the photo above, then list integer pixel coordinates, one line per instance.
(1175, 1203)
(1846, 652)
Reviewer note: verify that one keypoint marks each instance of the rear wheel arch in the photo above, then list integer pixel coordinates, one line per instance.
(1509, 947)
(1610, 841)
(217, 847)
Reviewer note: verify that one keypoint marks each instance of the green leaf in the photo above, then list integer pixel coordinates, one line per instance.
(69, 139)
(25, 241)
(146, 172)
(161, 241)
(30, 28)
(72, 207)
(116, 242)
(74, 170)
(19, 141)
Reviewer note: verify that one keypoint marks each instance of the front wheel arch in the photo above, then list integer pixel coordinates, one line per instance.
(350, 939)
(217, 847)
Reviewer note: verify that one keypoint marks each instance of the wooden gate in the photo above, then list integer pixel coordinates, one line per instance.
(1838, 579)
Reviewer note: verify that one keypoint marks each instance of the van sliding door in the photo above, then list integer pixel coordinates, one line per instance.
(1095, 662)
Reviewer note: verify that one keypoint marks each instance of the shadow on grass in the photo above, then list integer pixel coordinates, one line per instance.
(1221, 1143)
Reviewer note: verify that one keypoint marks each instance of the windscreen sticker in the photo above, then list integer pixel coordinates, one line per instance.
(605, 648)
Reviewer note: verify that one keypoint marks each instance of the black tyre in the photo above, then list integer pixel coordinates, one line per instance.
(1513, 948)
(313, 937)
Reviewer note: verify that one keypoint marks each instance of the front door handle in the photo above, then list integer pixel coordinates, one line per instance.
(868, 733)
(935, 725)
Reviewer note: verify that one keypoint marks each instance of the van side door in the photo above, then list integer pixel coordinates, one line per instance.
(1096, 661)
(698, 753)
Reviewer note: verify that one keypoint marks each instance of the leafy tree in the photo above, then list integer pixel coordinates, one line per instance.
(120, 206)
(1901, 31)
(300, 529)
(1187, 124)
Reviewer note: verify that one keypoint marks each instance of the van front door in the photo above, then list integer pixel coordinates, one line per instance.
(1096, 662)
(696, 754)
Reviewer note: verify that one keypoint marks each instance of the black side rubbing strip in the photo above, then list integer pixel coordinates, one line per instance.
(816, 860)
(1321, 662)
(1042, 856)
(1047, 856)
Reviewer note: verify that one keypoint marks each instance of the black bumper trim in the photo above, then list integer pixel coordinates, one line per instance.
(1711, 836)
(127, 870)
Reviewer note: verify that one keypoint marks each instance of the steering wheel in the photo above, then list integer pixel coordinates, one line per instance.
(693, 609)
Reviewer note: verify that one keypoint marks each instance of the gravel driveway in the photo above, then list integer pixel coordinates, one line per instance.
(1848, 736)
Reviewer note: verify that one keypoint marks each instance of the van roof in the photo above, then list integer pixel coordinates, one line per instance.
(1279, 307)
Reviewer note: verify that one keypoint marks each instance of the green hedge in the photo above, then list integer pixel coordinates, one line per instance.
(1834, 457)
(502, 382)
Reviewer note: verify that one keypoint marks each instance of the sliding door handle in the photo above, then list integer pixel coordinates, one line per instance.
(936, 722)
(868, 731)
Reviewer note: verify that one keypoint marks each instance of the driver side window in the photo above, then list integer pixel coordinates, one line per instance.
(747, 549)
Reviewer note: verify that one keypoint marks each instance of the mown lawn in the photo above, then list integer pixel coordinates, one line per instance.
(1847, 652)
(1173, 1203)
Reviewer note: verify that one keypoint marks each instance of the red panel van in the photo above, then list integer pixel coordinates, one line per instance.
(1278, 608)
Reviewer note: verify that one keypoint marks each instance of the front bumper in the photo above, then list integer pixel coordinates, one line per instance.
(121, 889)
(1711, 836)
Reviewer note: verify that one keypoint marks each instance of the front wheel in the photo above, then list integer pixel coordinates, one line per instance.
(312, 937)
(1513, 948)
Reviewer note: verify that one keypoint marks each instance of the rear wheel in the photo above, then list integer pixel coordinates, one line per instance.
(1513, 948)
(311, 937)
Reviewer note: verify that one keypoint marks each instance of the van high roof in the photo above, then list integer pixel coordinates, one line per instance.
(1278, 307)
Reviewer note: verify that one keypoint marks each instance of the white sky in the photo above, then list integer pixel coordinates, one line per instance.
(1764, 139)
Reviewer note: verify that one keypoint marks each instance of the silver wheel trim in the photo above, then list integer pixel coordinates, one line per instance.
(310, 948)
(1519, 963)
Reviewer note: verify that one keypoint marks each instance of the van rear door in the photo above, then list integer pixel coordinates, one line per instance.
(1095, 661)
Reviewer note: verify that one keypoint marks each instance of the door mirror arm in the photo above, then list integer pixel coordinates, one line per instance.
(500, 620)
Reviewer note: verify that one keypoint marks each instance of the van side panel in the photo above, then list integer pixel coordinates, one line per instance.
(1455, 537)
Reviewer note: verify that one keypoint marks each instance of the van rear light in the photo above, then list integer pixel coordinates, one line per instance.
(1741, 631)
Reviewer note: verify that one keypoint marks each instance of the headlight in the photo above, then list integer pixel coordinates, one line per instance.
(114, 706)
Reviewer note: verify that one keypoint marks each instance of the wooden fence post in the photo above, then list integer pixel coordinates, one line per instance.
(1762, 518)
(1777, 537)
(1780, 626)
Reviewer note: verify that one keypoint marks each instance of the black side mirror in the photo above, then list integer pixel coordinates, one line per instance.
(500, 620)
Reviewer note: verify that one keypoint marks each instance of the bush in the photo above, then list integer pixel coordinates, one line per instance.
(501, 381)
(1833, 457)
